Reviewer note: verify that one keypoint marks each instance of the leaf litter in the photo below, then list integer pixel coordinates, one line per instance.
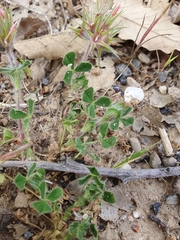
(135, 195)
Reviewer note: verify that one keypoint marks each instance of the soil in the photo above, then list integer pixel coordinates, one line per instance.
(132, 216)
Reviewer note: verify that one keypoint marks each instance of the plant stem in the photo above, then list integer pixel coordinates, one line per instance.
(88, 50)
(16, 82)
(9, 155)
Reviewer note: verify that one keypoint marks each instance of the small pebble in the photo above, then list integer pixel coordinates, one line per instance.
(155, 161)
(163, 90)
(135, 144)
(135, 214)
(46, 89)
(144, 58)
(45, 81)
(122, 68)
(28, 235)
(165, 111)
(133, 94)
(162, 76)
(136, 63)
(135, 228)
(155, 207)
(132, 82)
(130, 218)
(3, 86)
(123, 80)
(116, 87)
(169, 162)
(172, 199)
(85, 216)
(123, 217)
(126, 166)
(4, 121)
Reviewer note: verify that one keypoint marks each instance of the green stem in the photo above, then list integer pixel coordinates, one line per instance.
(16, 82)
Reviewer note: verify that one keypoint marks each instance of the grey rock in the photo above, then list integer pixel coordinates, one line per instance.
(3, 86)
(116, 87)
(136, 63)
(172, 199)
(135, 144)
(45, 81)
(144, 58)
(155, 161)
(162, 76)
(169, 162)
(122, 68)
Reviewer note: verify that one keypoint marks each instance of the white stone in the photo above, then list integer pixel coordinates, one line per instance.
(133, 94)
(163, 89)
(126, 166)
(135, 214)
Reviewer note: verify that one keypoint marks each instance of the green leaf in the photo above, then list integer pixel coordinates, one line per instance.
(69, 59)
(82, 80)
(17, 114)
(94, 230)
(103, 101)
(83, 67)
(80, 146)
(79, 229)
(111, 113)
(88, 127)
(26, 123)
(31, 169)
(109, 197)
(42, 190)
(25, 64)
(30, 107)
(109, 142)
(42, 206)
(91, 110)
(68, 77)
(103, 128)
(94, 171)
(127, 121)
(6, 70)
(125, 110)
(20, 181)
(7, 135)
(135, 156)
(84, 179)
(98, 182)
(55, 194)
(114, 125)
(88, 95)
(2, 178)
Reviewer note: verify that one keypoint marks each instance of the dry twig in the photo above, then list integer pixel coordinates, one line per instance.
(124, 175)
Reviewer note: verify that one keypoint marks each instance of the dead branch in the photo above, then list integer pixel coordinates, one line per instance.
(124, 175)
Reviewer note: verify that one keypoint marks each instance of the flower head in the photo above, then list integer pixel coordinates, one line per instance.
(98, 26)
(7, 27)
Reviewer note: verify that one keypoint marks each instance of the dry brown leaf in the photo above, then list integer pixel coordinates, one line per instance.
(164, 36)
(51, 46)
(106, 77)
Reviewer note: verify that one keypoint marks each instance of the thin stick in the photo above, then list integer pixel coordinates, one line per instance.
(166, 142)
(124, 175)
